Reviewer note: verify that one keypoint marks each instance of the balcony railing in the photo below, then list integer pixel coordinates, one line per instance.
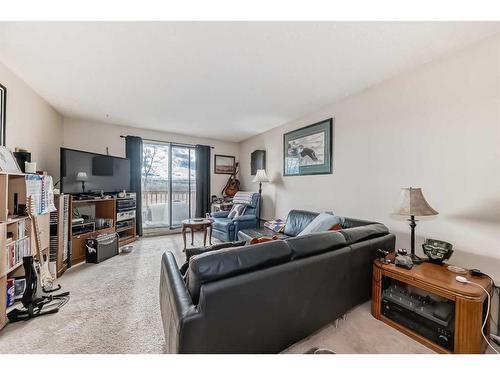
(151, 197)
(156, 210)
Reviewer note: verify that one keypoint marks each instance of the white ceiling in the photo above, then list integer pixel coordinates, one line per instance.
(227, 80)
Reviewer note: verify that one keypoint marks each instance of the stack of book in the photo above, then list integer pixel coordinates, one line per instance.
(17, 249)
(275, 225)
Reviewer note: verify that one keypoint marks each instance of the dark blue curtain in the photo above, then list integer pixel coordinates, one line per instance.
(133, 151)
(202, 180)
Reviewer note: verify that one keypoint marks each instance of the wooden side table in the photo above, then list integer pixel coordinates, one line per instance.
(196, 225)
(469, 301)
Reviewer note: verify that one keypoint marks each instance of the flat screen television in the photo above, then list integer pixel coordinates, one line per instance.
(87, 172)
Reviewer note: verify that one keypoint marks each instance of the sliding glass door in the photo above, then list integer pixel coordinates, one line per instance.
(183, 184)
(168, 185)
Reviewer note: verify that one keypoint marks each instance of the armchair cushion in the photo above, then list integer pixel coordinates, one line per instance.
(219, 214)
(245, 218)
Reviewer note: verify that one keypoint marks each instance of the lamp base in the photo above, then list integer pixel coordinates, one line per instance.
(416, 259)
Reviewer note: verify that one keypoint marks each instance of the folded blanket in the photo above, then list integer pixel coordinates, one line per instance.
(244, 197)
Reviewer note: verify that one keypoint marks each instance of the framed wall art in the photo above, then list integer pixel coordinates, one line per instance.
(224, 164)
(308, 150)
(3, 110)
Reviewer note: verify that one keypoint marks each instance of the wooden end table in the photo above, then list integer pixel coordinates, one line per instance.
(196, 225)
(432, 278)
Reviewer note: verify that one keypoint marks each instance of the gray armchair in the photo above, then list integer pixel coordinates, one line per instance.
(226, 229)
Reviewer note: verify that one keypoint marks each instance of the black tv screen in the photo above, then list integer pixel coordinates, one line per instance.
(105, 173)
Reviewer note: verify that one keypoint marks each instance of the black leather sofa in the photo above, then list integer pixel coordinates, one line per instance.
(263, 298)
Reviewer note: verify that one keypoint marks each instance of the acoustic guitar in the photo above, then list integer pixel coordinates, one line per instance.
(233, 184)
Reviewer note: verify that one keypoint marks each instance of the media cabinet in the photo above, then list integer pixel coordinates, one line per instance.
(104, 208)
(469, 302)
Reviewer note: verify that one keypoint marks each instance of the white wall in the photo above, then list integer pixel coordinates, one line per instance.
(32, 123)
(95, 137)
(437, 127)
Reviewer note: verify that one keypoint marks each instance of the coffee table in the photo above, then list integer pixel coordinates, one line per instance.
(196, 225)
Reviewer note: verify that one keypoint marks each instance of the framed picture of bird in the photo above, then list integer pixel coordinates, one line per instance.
(308, 150)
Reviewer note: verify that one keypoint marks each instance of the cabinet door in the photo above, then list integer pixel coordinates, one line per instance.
(79, 248)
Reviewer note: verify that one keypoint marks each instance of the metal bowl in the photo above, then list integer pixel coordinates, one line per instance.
(127, 249)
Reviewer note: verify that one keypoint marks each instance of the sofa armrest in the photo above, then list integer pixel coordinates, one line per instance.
(176, 305)
(244, 218)
(219, 214)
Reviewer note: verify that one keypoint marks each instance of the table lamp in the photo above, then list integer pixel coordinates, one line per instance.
(82, 177)
(260, 177)
(412, 203)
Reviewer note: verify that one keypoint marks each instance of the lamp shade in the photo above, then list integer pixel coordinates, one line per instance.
(81, 176)
(413, 203)
(261, 176)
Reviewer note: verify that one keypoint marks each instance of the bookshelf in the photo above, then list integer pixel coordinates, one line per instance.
(16, 234)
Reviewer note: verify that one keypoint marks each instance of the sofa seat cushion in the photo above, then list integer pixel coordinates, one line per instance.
(315, 243)
(297, 220)
(366, 232)
(223, 224)
(225, 263)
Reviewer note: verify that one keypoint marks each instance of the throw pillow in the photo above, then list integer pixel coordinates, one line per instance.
(257, 240)
(237, 210)
(336, 228)
(322, 223)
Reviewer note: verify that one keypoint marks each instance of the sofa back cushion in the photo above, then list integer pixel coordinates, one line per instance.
(297, 220)
(315, 243)
(350, 222)
(366, 232)
(225, 263)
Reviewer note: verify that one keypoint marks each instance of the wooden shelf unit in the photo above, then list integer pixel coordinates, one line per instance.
(437, 279)
(101, 208)
(10, 184)
(59, 234)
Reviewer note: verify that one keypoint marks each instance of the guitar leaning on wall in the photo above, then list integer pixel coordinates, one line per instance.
(233, 184)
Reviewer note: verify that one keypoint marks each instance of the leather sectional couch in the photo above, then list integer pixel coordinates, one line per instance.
(263, 298)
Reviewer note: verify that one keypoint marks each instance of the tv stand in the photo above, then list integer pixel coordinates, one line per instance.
(105, 208)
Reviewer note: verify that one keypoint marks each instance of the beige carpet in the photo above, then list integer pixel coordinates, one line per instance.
(114, 308)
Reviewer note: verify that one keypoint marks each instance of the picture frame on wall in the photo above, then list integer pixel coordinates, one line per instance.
(8, 162)
(257, 161)
(308, 150)
(224, 164)
(3, 110)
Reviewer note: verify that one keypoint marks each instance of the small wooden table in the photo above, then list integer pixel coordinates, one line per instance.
(196, 225)
(437, 279)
